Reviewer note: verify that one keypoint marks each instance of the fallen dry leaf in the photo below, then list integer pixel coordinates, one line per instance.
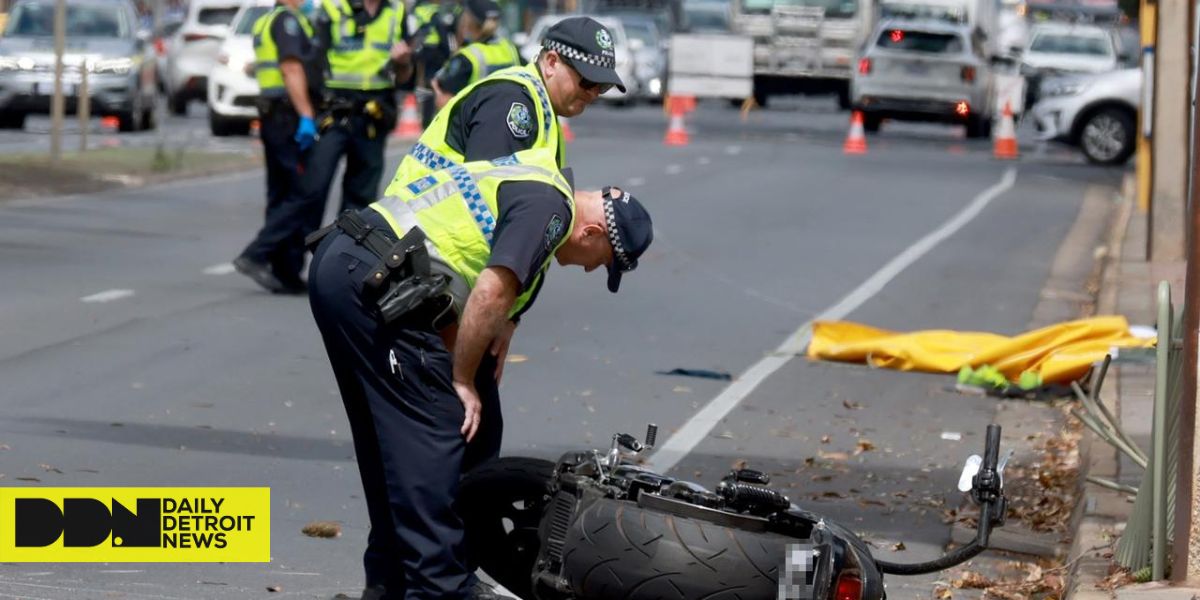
(851, 405)
(863, 446)
(274, 588)
(899, 547)
(942, 593)
(50, 469)
(971, 580)
(825, 439)
(322, 529)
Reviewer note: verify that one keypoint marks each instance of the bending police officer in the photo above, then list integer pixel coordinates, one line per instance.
(414, 299)
(481, 52)
(367, 55)
(282, 49)
(518, 108)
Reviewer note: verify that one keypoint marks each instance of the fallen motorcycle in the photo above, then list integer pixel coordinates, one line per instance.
(596, 526)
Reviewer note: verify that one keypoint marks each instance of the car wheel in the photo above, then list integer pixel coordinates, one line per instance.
(148, 120)
(1107, 137)
(133, 119)
(843, 99)
(871, 123)
(12, 120)
(222, 126)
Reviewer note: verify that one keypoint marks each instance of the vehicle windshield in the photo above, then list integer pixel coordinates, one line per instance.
(833, 8)
(920, 41)
(36, 19)
(246, 25)
(1065, 43)
(641, 31)
(901, 10)
(221, 15)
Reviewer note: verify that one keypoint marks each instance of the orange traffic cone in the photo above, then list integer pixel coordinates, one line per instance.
(568, 135)
(409, 125)
(856, 140)
(1005, 138)
(677, 135)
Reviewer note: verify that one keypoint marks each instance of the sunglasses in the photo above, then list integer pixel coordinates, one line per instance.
(584, 82)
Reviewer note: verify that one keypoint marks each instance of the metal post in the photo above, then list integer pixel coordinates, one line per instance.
(57, 105)
(84, 106)
(1159, 451)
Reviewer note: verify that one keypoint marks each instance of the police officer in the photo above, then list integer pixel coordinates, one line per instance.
(481, 51)
(518, 108)
(432, 24)
(282, 49)
(367, 53)
(414, 298)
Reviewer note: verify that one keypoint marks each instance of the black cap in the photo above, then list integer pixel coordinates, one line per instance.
(630, 232)
(588, 45)
(483, 10)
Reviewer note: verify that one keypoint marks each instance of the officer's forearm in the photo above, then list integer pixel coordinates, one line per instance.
(297, 86)
(485, 314)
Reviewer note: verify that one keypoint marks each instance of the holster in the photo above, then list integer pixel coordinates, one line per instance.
(402, 284)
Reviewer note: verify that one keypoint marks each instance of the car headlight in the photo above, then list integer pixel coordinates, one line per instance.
(1064, 88)
(116, 66)
(8, 63)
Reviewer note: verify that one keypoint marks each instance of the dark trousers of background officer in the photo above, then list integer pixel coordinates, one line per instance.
(405, 417)
(364, 161)
(289, 216)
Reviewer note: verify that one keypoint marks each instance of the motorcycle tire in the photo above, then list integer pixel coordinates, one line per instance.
(501, 503)
(617, 549)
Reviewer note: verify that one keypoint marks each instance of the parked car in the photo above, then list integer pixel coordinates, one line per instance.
(1096, 112)
(924, 71)
(649, 50)
(103, 40)
(529, 46)
(1065, 48)
(193, 51)
(232, 88)
(162, 40)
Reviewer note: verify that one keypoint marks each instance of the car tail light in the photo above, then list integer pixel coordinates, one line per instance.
(897, 36)
(160, 47)
(849, 587)
(962, 109)
(195, 37)
(864, 66)
(968, 74)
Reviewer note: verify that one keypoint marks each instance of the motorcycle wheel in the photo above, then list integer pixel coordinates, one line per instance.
(501, 503)
(616, 549)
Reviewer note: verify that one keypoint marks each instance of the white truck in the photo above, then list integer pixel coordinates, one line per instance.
(803, 46)
(982, 15)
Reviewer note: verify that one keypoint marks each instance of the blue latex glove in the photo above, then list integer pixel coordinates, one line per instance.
(306, 133)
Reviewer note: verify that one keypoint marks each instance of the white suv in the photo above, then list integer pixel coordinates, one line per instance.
(232, 89)
(193, 52)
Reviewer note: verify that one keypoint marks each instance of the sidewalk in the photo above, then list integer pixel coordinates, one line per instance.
(1128, 287)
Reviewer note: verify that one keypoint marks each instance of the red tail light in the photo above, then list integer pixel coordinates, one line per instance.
(962, 109)
(897, 36)
(968, 74)
(160, 47)
(849, 587)
(195, 37)
(864, 66)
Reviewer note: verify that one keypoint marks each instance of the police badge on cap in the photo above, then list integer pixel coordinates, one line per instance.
(588, 46)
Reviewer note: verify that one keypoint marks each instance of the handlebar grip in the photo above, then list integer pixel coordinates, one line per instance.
(991, 449)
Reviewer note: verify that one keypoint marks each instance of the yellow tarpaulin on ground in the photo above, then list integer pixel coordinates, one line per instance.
(1061, 353)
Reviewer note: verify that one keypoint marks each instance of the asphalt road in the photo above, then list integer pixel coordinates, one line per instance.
(132, 355)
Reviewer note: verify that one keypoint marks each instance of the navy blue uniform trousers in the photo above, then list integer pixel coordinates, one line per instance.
(364, 162)
(289, 216)
(405, 417)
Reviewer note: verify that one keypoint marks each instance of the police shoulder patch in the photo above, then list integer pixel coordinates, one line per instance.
(554, 232)
(290, 26)
(520, 121)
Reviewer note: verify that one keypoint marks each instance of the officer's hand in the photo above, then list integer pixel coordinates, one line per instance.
(400, 52)
(471, 406)
(500, 347)
(306, 133)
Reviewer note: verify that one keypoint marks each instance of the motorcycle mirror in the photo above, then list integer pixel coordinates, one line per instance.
(970, 470)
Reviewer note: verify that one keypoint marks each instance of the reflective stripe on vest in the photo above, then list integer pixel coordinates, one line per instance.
(361, 62)
(490, 56)
(423, 202)
(433, 152)
(266, 53)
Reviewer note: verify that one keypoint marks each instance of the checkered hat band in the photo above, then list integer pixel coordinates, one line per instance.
(604, 62)
(610, 219)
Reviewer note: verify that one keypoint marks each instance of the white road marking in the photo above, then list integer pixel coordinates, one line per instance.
(733, 150)
(221, 269)
(695, 429)
(635, 181)
(703, 160)
(107, 296)
(120, 571)
(674, 169)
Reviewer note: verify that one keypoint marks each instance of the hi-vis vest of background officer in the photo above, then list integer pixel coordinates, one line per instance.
(425, 23)
(266, 53)
(457, 209)
(359, 55)
(432, 152)
(490, 56)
